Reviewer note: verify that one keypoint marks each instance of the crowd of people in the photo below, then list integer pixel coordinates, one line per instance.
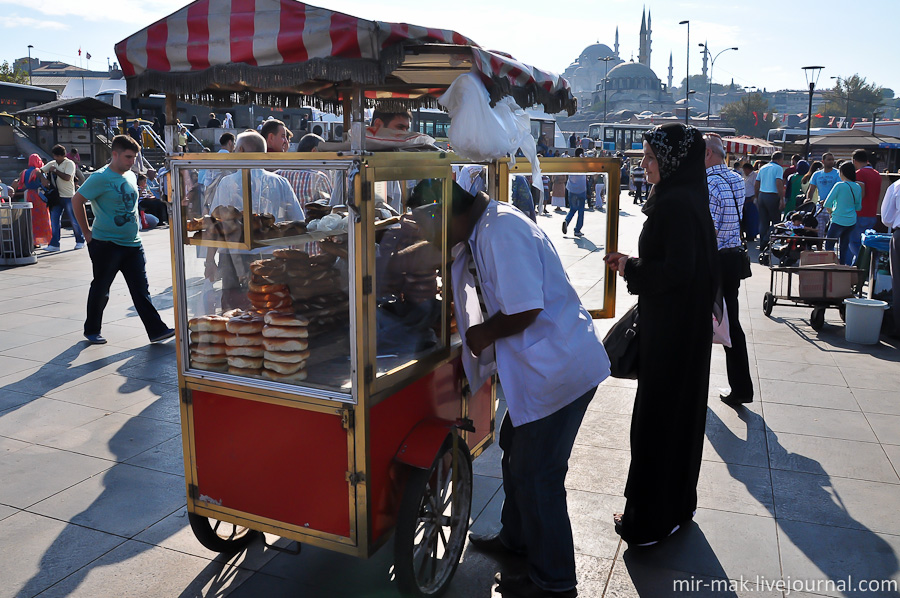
(531, 328)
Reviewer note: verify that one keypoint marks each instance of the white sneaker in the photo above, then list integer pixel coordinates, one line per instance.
(51, 248)
(79, 245)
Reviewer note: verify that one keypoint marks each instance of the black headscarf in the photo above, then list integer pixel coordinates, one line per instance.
(681, 154)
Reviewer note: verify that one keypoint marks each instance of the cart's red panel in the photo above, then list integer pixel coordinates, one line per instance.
(283, 463)
(390, 421)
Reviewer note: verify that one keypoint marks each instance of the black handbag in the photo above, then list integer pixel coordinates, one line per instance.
(51, 193)
(745, 257)
(621, 343)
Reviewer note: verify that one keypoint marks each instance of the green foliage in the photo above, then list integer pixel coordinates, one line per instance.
(852, 97)
(740, 115)
(9, 75)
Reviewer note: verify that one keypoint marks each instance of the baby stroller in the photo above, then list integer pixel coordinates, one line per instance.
(786, 238)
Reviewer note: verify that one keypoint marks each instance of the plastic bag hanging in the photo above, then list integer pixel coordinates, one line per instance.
(481, 133)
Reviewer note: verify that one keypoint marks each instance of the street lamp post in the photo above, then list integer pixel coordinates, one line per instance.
(712, 65)
(30, 81)
(687, 68)
(812, 77)
(847, 113)
(605, 60)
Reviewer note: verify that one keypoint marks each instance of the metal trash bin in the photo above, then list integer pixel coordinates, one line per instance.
(16, 235)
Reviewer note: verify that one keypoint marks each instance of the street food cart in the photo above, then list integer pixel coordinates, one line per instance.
(323, 398)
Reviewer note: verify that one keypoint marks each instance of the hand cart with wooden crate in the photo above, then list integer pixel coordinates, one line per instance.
(818, 282)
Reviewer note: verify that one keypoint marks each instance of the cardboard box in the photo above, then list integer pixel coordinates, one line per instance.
(827, 281)
(811, 258)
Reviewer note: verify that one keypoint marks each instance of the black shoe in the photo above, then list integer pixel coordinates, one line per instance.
(565, 227)
(734, 398)
(167, 334)
(491, 543)
(95, 339)
(521, 586)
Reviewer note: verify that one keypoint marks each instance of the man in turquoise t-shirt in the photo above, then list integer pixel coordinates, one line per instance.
(113, 242)
(823, 180)
(770, 196)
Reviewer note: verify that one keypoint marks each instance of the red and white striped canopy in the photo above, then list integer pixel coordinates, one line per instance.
(269, 51)
(744, 145)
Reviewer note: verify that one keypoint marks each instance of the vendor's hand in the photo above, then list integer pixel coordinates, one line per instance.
(211, 271)
(335, 249)
(478, 339)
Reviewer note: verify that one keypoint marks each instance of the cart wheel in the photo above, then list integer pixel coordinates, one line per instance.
(817, 319)
(768, 303)
(221, 536)
(433, 522)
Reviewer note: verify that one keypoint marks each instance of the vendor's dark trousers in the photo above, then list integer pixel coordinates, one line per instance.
(737, 363)
(769, 214)
(535, 517)
(108, 259)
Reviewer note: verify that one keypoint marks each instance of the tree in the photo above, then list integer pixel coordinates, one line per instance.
(740, 115)
(10, 75)
(851, 97)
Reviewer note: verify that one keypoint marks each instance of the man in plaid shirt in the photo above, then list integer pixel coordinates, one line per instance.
(309, 185)
(726, 203)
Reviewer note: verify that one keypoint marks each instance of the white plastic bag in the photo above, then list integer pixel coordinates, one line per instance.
(481, 133)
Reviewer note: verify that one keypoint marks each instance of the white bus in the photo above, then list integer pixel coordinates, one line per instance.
(783, 136)
(619, 137)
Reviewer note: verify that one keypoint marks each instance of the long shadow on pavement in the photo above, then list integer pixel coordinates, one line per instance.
(874, 558)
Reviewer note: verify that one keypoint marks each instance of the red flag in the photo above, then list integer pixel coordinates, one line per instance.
(756, 117)
(79, 50)
(830, 121)
(853, 122)
(765, 116)
(819, 116)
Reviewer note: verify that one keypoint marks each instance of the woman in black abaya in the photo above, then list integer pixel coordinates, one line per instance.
(674, 279)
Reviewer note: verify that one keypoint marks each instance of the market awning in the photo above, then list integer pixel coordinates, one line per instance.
(89, 107)
(281, 52)
(744, 145)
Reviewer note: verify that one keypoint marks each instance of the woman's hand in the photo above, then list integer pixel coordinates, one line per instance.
(616, 261)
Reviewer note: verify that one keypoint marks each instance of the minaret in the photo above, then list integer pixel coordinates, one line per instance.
(670, 70)
(649, 41)
(705, 57)
(642, 47)
(617, 42)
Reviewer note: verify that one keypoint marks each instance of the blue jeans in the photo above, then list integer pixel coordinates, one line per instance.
(108, 259)
(535, 518)
(576, 201)
(863, 223)
(56, 217)
(842, 233)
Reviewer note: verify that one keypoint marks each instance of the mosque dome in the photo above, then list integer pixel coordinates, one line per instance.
(595, 52)
(633, 75)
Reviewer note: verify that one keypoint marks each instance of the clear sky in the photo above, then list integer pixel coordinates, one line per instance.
(774, 41)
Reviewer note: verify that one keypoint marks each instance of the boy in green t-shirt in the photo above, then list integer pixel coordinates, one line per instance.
(113, 242)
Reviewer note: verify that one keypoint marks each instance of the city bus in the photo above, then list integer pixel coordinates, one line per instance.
(781, 137)
(619, 137)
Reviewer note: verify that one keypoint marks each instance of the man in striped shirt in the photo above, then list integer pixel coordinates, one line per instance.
(726, 202)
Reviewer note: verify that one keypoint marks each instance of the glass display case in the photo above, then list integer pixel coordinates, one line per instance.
(339, 267)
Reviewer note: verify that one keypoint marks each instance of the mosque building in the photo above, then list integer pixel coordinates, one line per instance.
(630, 85)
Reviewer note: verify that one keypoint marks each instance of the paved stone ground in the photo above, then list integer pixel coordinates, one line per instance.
(801, 487)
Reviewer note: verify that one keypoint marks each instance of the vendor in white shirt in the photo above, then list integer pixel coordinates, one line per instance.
(550, 362)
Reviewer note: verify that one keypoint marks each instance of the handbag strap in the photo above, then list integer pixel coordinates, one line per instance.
(736, 210)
